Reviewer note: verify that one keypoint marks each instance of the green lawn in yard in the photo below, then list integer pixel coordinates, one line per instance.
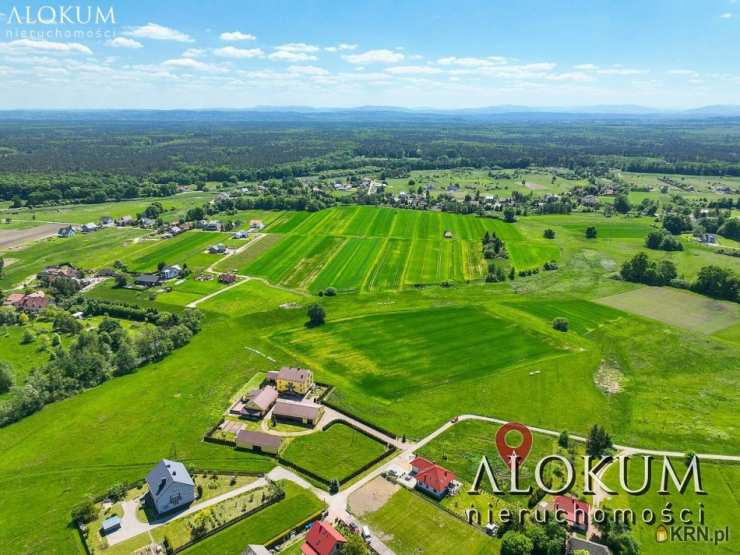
(22, 357)
(298, 505)
(333, 453)
(410, 525)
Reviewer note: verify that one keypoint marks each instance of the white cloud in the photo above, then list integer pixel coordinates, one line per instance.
(193, 53)
(233, 52)
(341, 47)
(236, 35)
(123, 42)
(158, 32)
(24, 45)
(471, 61)
(286, 56)
(381, 56)
(297, 47)
(308, 70)
(577, 76)
(189, 63)
(586, 67)
(726, 15)
(619, 70)
(414, 70)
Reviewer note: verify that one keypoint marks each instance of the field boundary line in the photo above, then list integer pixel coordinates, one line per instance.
(216, 293)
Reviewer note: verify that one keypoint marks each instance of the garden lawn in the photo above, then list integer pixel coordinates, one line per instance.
(410, 525)
(333, 453)
(264, 526)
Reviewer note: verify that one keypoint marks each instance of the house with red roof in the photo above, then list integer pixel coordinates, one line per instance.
(322, 539)
(434, 480)
(419, 464)
(574, 512)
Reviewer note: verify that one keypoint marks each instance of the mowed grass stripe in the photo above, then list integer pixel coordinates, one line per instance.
(320, 252)
(383, 224)
(287, 222)
(348, 268)
(173, 251)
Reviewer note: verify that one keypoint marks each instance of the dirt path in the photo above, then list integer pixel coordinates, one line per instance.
(12, 238)
(211, 295)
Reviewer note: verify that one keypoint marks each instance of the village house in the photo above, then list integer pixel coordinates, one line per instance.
(227, 278)
(577, 545)
(147, 280)
(259, 442)
(33, 302)
(308, 414)
(107, 221)
(65, 232)
(170, 486)
(240, 235)
(256, 403)
(323, 539)
(256, 224)
(217, 249)
(431, 478)
(125, 220)
(170, 272)
(147, 222)
(574, 512)
(175, 230)
(50, 273)
(293, 381)
(214, 225)
(89, 228)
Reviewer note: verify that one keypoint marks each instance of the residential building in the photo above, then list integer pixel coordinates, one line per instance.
(217, 249)
(240, 235)
(33, 302)
(256, 224)
(170, 272)
(574, 512)
(254, 549)
(420, 464)
(258, 441)
(147, 222)
(434, 480)
(147, 280)
(65, 232)
(170, 486)
(106, 221)
(214, 225)
(125, 220)
(227, 278)
(297, 381)
(256, 403)
(323, 539)
(50, 273)
(303, 413)
(90, 227)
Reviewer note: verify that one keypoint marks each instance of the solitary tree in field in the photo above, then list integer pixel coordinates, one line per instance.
(590, 232)
(316, 315)
(549, 234)
(563, 440)
(598, 441)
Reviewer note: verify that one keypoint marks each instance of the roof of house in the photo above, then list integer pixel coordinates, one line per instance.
(296, 410)
(420, 463)
(14, 298)
(294, 374)
(272, 375)
(263, 398)
(593, 548)
(322, 538)
(258, 439)
(166, 472)
(111, 522)
(147, 278)
(175, 267)
(569, 505)
(436, 477)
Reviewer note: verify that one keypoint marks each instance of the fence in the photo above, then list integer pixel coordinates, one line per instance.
(283, 536)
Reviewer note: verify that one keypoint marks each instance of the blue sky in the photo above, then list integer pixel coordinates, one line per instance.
(446, 54)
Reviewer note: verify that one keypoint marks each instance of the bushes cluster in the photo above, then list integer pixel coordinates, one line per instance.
(640, 269)
(94, 357)
(661, 240)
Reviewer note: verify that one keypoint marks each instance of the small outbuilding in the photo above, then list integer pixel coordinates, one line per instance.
(147, 280)
(258, 441)
(110, 524)
(303, 413)
(170, 272)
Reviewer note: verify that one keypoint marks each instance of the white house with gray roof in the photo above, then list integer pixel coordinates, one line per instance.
(170, 486)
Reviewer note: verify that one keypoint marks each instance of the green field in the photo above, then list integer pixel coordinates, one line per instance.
(677, 308)
(720, 504)
(333, 453)
(410, 525)
(186, 248)
(364, 248)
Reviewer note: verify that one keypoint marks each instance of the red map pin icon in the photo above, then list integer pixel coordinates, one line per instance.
(513, 455)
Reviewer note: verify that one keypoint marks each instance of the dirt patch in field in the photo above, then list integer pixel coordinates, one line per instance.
(533, 186)
(10, 238)
(372, 496)
(609, 377)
